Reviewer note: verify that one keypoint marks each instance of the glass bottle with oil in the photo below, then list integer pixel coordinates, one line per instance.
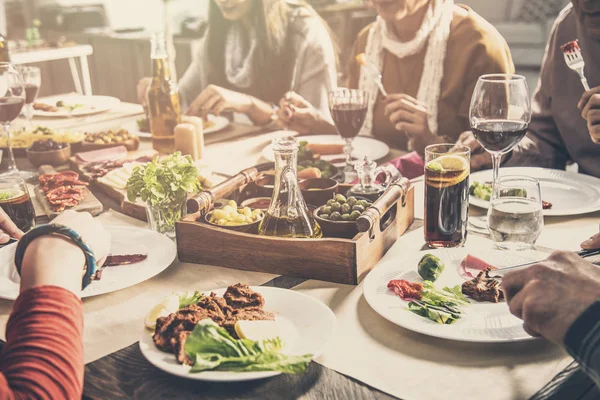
(164, 110)
(288, 216)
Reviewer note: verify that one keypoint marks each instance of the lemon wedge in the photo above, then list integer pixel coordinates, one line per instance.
(258, 330)
(450, 163)
(168, 306)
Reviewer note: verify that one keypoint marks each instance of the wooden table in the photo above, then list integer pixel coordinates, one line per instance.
(126, 374)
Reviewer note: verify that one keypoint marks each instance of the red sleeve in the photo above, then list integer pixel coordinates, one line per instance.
(43, 355)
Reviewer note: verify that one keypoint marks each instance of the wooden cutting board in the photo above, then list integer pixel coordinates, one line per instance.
(89, 203)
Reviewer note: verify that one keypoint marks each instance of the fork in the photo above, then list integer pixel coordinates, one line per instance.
(581, 253)
(372, 71)
(574, 60)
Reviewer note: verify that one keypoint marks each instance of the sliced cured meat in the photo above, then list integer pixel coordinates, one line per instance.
(473, 263)
(125, 259)
(406, 290)
(110, 154)
(546, 205)
(62, 190)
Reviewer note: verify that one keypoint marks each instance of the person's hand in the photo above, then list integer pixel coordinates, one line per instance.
(480, 159)
(549, 296)
(297, 114)
(592, 243)
(8, 229)
(409, 115)
(54, 260)
(215, 99)
(142, 90)
(590, 111)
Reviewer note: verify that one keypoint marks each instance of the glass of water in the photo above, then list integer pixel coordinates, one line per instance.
(515, 216)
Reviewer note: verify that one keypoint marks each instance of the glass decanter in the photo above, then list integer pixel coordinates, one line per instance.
(288, 216)
(367, 186)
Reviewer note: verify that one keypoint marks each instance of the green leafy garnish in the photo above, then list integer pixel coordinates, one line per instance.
(187, 299)
(482, 191)
(165, 184)
(441, 306)
(213, 348)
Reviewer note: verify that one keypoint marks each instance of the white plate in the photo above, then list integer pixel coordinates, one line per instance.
(363, 146)
(480, 322)
(570, 193)
(93, 105)
(161, 252)
(219, 123)
(311, 321)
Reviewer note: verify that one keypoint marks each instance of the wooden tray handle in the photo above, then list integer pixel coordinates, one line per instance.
(204, 200)
(397, 190)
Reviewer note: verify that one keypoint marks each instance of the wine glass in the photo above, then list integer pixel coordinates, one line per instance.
(12, 99)
(348, 109)
(32, 80)
(500, 114)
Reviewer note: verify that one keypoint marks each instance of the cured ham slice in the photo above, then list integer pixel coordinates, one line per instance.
(109, 154)
(473, 263)
(62, 190)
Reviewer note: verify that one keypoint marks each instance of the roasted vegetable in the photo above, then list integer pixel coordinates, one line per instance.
(430, 267)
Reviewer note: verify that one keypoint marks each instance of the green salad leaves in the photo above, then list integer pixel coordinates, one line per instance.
(441, 306)
(164, 184)
(187, 299)
(213, 348)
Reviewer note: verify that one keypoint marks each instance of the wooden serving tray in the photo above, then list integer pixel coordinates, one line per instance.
(330, 259)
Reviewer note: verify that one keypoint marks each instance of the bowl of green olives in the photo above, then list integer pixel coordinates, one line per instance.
(235, 218)
(338, 217)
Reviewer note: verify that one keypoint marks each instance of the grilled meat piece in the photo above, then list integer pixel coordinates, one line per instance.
(166, 335)
(179, 348)
(241, 296)
(484, 287)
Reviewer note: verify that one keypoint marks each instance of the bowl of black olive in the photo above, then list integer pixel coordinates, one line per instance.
(48, 152)
(338, 217)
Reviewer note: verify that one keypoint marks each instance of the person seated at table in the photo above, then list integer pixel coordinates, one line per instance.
(565, 125)
(43, 354)
(431, 53)
(254, 52)
(559, 299)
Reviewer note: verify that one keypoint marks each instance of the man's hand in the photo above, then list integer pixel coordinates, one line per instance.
(215, 99)
(480, 159)
(409, 115)
(8, 229)
(590, 111)
(549, 296)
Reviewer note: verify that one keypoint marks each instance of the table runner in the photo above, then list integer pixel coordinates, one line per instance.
(410, 366)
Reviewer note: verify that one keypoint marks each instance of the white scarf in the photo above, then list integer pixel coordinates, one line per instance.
(239, 56)
(434, 33)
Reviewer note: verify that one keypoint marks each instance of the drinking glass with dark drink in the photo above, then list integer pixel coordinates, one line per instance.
(12, 99)
(500, 114)
(32, 80)
(348, 110)
(447, 169)
(16, 202)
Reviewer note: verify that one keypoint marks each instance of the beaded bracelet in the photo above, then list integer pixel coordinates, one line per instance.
(42, 230)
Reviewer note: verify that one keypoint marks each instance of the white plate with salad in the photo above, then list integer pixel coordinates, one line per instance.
(303, 327)
(564, 192)
(480, 322)
(75, 106)
(159, 250)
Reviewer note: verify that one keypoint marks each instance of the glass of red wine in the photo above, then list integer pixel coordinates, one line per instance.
(500, 114)
(12, 99)
(32, 80)
(348, 110)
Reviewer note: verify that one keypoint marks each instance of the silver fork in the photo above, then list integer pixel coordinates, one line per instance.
(574, 60)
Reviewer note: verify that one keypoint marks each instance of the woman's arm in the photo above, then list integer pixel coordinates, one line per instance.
(43, 355)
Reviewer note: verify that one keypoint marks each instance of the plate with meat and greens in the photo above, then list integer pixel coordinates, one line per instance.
(448, 293)
(136, 255)
(563, 192)
(238, 333)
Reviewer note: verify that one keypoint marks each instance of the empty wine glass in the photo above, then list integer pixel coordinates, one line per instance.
(348, 109)
(12, 99)
(500, 114)
(32, 80)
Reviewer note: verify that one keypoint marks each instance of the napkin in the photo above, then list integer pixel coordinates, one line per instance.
(410, 165)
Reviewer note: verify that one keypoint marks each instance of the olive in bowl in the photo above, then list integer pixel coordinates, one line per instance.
(338, 217)
(48, 152)
(234, 218)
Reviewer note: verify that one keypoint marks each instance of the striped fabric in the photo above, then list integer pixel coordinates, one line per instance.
(583, 341)
(540, 10)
